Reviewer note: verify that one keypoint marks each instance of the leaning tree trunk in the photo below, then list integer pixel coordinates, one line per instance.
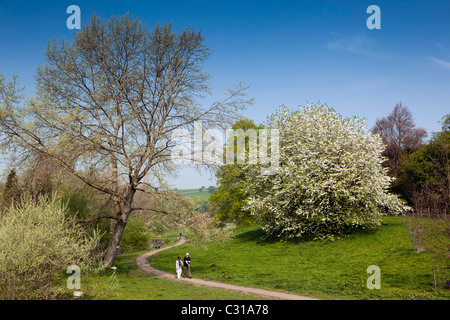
(123, 211)
(113, 247)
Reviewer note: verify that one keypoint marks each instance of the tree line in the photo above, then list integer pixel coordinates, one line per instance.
(419, 168)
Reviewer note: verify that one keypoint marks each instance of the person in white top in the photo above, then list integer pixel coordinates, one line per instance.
(179, 267)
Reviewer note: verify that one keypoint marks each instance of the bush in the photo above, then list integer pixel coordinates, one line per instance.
(37, 245)
(329, 180)
(135, 236)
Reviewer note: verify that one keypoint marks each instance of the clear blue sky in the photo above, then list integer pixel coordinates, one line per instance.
(289, 52)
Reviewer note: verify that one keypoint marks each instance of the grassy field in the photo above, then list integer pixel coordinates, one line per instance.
(194, 193)
(133, 284)
(322, 269)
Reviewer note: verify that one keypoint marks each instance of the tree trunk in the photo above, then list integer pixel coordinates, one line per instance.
(123, 210)
(113, 247)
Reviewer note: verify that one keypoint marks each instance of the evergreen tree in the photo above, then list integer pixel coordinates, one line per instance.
(12, 191)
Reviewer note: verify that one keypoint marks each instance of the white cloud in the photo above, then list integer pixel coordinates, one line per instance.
(442, 63)
(358, 44)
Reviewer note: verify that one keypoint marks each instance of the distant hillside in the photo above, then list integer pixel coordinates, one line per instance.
(204, 194)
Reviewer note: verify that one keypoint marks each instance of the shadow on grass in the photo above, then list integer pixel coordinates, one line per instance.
(257, 235)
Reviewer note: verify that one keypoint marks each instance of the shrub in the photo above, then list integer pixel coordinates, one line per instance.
(37, 245)
(135, 236)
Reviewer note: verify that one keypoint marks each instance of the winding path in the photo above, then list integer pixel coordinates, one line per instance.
(143, 264)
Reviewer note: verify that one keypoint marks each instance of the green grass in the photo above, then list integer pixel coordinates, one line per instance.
(192, 193)
(133, 284)
(322, 269)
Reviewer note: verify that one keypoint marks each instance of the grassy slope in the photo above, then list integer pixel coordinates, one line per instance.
(194, 193)
(322, 269)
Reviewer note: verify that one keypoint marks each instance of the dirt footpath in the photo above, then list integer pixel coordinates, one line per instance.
(146, 267)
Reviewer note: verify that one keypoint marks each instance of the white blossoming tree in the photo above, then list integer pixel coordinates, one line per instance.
(329, 180)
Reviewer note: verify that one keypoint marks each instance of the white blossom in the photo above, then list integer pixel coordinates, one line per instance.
(330, 176)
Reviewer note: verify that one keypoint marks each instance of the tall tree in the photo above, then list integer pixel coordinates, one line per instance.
(228, 201)
(400, 135)
(108, 103)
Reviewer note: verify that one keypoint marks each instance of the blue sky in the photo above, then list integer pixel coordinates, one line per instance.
(289, 52)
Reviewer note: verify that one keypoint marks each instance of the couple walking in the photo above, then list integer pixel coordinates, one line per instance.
(187, 266)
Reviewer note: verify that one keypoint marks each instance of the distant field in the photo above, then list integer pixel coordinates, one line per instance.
(195, 193)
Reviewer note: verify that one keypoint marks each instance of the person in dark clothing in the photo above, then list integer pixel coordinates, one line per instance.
(187, 265)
